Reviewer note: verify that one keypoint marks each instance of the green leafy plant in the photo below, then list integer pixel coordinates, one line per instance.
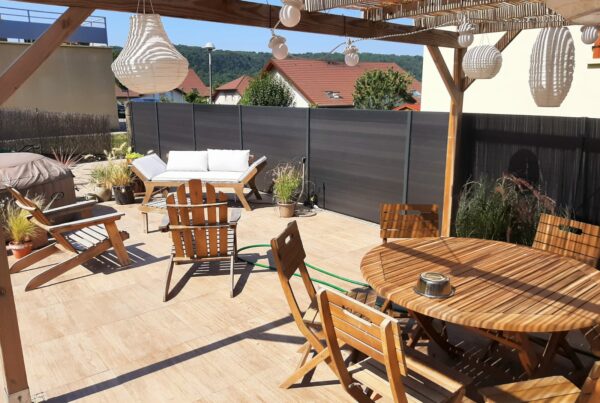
(101, 175)
(287, 179)
(120, 174)
(506, 209)
(20, 230)
(382, 90)
(130, 156)
(194, 97)
(267, 90)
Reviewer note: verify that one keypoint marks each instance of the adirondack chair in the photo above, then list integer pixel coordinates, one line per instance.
(408, 221)
(201, 229)
(81, 240)
(553, 389)
(389, 370)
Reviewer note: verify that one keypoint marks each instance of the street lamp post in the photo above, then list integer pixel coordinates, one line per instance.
(210, 47)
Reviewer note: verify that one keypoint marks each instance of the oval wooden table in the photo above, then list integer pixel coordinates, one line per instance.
(503, 291)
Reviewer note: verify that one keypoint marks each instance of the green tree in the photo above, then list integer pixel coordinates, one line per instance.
(267, 90)
(194, 97)
(383, 90)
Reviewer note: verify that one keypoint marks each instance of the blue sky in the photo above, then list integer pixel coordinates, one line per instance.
(230, 37)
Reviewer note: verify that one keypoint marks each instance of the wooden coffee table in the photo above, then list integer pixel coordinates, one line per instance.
(503, 292)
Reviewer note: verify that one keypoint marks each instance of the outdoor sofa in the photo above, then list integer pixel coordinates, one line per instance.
(233, 169)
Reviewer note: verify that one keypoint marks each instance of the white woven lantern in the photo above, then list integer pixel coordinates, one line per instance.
(584, 12)
(589, 34)
(482, 62)
(552, 66)
(149, 63)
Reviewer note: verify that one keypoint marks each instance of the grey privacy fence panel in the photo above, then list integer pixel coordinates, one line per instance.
(427, 162)
(144, 119)
(357, 159)
(176, 127)
(279, 133)
(217, 126)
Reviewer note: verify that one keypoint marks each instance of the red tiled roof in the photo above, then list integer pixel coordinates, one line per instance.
(239, 85)
(315, 78)
(193, 81)
(416, 107)
(123, 93)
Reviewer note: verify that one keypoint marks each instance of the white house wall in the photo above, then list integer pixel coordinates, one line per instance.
(299, 100)
(508, 92)
(228, 99)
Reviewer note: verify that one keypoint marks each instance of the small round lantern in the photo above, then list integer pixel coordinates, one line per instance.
(351, 57)
(278, 47)
(552, 66)
(466, 34)
(584, 12)
(589, 34)
(482, 62)
(149, 63)
(290, 14)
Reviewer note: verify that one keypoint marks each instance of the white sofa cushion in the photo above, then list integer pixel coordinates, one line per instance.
(150, 165)
(187, 161)
(228, 160)
(181, 176)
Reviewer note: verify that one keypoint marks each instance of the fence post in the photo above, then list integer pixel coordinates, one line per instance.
(194, 126)
(240, 114)
(307, 165)
(407, 158)
(157, 129)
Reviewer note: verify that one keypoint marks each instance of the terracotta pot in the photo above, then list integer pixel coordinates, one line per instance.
(20, 250)
(286, 210)
(104, 194)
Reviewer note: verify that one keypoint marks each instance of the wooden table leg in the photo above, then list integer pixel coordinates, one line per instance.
(426, 323)
(527, 354)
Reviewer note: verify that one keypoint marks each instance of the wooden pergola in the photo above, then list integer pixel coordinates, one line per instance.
(509, 16)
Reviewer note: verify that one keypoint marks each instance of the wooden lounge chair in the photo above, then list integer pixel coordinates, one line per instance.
(554, 389)
(201, 230)
(388, 371)
(408, 221)
(82, 240)
(289, 255)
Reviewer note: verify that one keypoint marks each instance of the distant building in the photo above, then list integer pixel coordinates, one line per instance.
(192, 82)
(327, 84)
(232, 92)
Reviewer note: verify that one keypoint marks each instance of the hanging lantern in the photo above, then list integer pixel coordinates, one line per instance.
(278, 47)
(149, 63)
(290, 14)
(589, 34)
(351, 57)
(584, 12)
(466, 34)
(552, 66)
(482, 62)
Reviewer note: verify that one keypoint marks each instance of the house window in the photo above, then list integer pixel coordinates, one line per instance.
(333, 94)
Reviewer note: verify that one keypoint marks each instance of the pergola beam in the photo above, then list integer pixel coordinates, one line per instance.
(36, 54)
(266, 16)
(438, 60)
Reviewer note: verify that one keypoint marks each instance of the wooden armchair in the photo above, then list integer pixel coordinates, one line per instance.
(408, 221)
(388, 371)
(289, 255)
(201, 230)
(82, 239)
(554, 389)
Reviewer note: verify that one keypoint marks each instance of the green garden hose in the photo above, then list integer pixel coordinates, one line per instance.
(347, 280)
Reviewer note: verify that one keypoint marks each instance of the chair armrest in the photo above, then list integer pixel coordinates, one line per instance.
(71, 208)
(234, 217)
(86, 222)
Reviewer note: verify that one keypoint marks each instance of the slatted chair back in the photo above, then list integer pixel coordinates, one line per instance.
(28, 205)
(571, 238)
(289, 255)
(199, 228)
(369, 331)
(408, 221)
(590, 391)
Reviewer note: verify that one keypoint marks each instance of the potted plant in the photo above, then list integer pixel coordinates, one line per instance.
(287, 178)
(121, 179)
(20, 230)
(101, 179)
(130, 156)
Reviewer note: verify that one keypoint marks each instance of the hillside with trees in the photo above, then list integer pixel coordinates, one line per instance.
(229, 65)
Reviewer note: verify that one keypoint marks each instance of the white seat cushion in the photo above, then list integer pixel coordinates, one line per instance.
(228, 160)
(188, 161)
(150, 165)
(177, 176)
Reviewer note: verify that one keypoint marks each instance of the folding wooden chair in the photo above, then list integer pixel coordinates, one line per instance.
(82, 239)
(570, 238)
(554, 389)
(201, 230)
(388, 371)
(408, 221)
(289, 255)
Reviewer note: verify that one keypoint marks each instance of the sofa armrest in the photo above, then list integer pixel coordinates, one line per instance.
(254, 169)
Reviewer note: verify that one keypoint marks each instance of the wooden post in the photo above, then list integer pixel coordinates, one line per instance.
(15, 375)
(454, 126)
(36, 54)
